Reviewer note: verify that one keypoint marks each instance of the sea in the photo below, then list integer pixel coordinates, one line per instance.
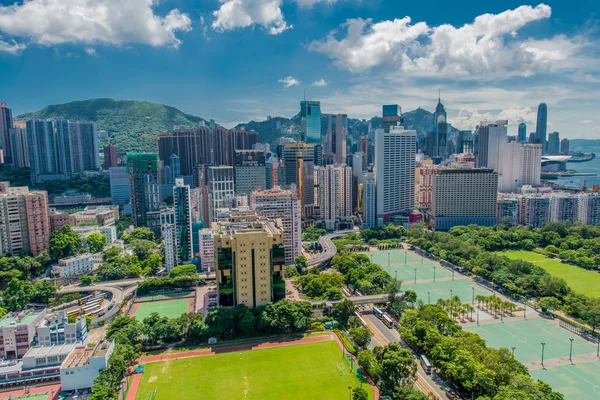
(592, 166)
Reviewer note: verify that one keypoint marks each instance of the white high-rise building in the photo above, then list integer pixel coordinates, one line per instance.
(589, 209)
(394, 172)
(168, 234)
(183, 221)
(563, 206)
(277, 203)
(369, 207)
(520, 164)
(492, 137)
(221, 189)
(207, 250)
(335, 196)
(357, 165)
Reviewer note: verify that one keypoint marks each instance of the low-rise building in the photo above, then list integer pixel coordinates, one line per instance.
(55, 329)
(84, 231)
(100, 215)
(74, 266)
(58, 219)
(17, 333)
(83, 365)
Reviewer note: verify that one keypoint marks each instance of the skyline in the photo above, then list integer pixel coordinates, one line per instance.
(199, 57)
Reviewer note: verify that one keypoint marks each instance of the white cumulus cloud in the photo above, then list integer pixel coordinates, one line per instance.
(115, 22)
(488, 45)
(320, 83)
(91, 51)
(244, 13)
(12, 47)
(311, 3)
(587, 121)
(289, 81)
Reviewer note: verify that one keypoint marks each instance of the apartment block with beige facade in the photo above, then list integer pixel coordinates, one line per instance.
(250, 258)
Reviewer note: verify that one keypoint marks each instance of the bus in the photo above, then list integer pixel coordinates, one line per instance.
(387, 321)
(425, 364)
(377, 312)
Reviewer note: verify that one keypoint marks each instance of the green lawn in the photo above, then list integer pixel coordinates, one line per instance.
(169, 308)
(296, 372)
(579, 279)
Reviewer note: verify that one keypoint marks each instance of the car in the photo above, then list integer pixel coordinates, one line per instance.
(212, 304)
(212, 295)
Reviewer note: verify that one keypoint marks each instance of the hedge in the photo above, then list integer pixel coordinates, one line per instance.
(345, 341)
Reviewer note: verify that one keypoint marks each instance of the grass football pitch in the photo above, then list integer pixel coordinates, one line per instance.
(169, 308)
(579, 279)
(295, 372)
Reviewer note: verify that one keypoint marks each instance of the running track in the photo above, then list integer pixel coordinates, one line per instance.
(135, 381)
(54, 389)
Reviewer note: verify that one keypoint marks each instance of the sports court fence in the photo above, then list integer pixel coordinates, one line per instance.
(163, 294)
(584, 333)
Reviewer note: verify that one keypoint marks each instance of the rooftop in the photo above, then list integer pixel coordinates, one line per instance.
(49, 351)
(81, 355)
(23, 318)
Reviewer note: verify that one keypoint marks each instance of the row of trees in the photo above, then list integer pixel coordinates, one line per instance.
(472, 248)
(66, 243)
(463, 358)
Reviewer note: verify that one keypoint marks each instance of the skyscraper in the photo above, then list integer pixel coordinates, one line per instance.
(183, 221)
(391, 117)
(221, 190)
(83, 138)
(491, 138)
(337, 132)
(110, 157)
(563, 207)
(363, 146)
(522, 135)
(144, 187)
(394, 172)
(43, 150)
(310, 117)
(370, 205)
(534, 210)
(250, 171)
(589, 209)
(119, 185)
(541, 126)
(564, 146)
(553, 144)
(299, 167)
(19, 147)
(440, 130)
(520, 164)
(6, 123)
(335, 196)
(277, 203)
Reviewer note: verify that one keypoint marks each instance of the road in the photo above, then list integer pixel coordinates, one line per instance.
(384, 335)
(328, 247)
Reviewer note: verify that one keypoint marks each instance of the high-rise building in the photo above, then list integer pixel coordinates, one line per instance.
(564, 146)
(335, 196)
(357, 164)
(337, 132)
(463, 196)
(541, 126)
(203, 145)
(394, 172)
(492, 137)
(589, 209)
(120, 193)
(207, 250)
(508, 208)
(369, 202)
(520, 164)
(522, 135)
(170, 245)
(424, 185)
(19, 148)
(363, 147)
(277, 203)
(563, 207)
(221, 189)
(440, 131)
(43, 150)
(310, 117)
(24, 220)
(144, 188)
(6, 123)
(250, 259)
(553, 145)
(83, 138)
(391, 116)
(183, 221)
(250, 171)
(534, 210)
(299, 169)
(110, 157)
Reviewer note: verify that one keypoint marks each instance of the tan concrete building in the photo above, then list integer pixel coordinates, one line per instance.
(250, 258)
(99, 215)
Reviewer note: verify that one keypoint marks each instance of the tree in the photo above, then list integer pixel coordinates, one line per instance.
(301, 264)
(359, 394)
(87, 280)
(141, 233)
(183, 270)
(64, 243)
(410, 296)
(548, 304)
(397, 366)
(344, 310)
(96, 242)
(143, 248)
(17, 294)
(44, 290)
(152, 264)
(366, 359)
(361, 336)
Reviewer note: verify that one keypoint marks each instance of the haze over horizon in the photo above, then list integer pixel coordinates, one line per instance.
(241, 60)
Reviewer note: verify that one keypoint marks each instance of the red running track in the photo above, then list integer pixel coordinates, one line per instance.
(53, 389)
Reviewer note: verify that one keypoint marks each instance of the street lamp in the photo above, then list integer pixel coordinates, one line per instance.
(452, 275)
(513, 352)
(571, 351)
(543, 347)
(434, 274)
(388, 260)
(415, 275)
(450, 294)
(404, 257)
(350, 392)
(429, 300)
(478, 317)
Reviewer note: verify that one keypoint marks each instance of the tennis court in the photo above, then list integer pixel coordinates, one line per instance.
(425, 271)
(527, 336)
(168, 308)
(164, 295)
(432, 291)
(396, 257)
(580, 381)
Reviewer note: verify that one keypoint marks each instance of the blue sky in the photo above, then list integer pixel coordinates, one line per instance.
(237, 60)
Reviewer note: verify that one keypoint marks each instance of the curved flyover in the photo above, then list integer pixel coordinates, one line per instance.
(117, 296)
(329, 249)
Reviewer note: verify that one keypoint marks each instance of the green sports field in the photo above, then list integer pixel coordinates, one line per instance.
(169, 308)
(41, 396)
(296, 372)
(579, 381)
(579, 279)
(526, 336)
(431, 292)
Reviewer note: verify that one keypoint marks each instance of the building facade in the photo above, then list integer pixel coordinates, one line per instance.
(491, 138)
(221, 189)
(335, 196)
(563, 207)
(183, 221)
(534, 210)
(6, 123)
(83, 365)
(520, 164)
(522, 133)
(508, 210)
(144, 189)
(110, 157)
(207, 250)
(74, 266)
(337, 133)
(299, 169)
(250, 171)
(541, 126)
(55, 330)
(19, 147)
(120, 192)
(310, 120)
(589, 209)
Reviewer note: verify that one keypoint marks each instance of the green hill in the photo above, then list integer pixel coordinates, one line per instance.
(131, 125)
